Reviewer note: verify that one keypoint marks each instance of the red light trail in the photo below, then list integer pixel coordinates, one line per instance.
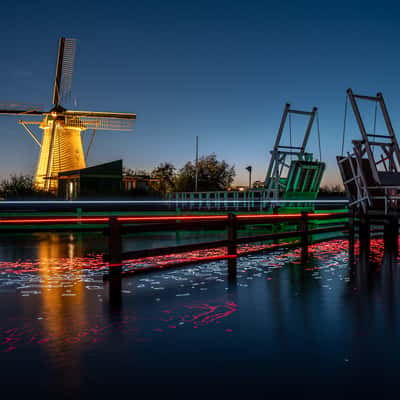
(161, 218)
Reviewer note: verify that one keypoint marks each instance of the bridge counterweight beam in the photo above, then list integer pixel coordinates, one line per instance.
(308, 129)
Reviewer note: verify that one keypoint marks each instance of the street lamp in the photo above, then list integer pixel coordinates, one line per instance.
(249, 168)
(196, 176)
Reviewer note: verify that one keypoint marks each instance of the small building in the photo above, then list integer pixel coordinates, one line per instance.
(103, 180)
(139, 182)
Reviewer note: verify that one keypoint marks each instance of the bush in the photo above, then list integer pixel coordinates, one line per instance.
(21, 187)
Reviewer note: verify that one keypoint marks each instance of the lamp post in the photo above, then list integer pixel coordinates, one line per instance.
(249, 168)
(196, 176)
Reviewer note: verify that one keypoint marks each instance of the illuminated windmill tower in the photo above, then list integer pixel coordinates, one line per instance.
(61, 147)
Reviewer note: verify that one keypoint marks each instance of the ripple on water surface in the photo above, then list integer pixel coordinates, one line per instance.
(69, 303)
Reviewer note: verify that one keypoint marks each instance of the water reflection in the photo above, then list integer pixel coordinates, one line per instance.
(312, 322)
(63, 290)
(373, 295)
(63, 308)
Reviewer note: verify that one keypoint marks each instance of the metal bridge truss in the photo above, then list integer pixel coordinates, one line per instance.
(297, 178)
(371, 173)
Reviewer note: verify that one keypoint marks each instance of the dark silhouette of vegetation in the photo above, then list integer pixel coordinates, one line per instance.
(212, 175)
(21, 187)
(334, 190)
(165, 173)
(258, 185)
(135, 173)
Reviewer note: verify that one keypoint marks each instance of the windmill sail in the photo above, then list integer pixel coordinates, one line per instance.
(61, 147)
(20, 109)
(100, 120)
(64, 70)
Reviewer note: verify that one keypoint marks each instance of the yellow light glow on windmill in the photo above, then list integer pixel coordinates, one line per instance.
(65, 154)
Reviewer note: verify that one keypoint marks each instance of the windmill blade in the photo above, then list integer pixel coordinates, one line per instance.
(20, 109)
(20, 112)
(64, 70)
(100, 120)
(99, 123)
(100, 114)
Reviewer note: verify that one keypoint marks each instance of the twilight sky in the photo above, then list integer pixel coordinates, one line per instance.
(222, 70)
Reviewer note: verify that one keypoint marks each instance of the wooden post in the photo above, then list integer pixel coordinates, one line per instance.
(79, 214)
(351, 237)
(390, 236)
(364, 234)
(115, 247)
(387, 233)
(115, 292)
(395, 228)
(232, 246)
(304, 236)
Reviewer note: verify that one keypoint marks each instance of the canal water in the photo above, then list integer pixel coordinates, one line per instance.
(321, 330)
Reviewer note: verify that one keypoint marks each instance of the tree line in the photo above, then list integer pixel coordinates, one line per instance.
(212, 174)
(21, 187)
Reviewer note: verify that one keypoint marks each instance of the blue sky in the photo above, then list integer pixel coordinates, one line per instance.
(221, 70)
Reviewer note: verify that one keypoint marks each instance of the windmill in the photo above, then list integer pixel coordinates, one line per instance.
(61, 147)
